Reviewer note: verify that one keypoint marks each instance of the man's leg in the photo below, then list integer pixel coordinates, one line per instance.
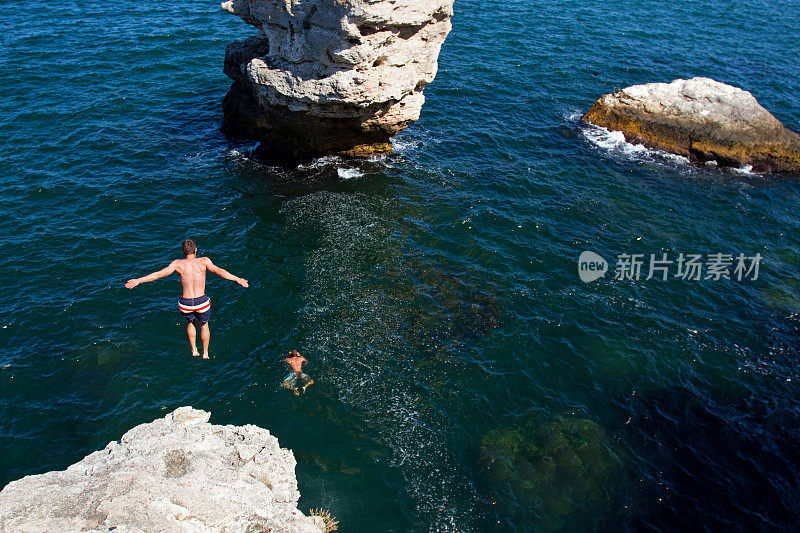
(192, 333)
(205, 336)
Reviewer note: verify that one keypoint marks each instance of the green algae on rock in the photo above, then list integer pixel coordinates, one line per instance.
(560, 467)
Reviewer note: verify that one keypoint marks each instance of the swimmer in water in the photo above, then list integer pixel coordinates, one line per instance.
(296, 380)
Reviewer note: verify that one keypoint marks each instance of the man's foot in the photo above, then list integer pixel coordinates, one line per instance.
(205, 356)
(195, 354)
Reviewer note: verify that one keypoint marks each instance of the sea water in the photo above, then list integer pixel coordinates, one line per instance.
(466, 379)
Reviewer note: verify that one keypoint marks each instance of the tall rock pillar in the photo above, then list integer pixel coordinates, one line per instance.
(331, 76)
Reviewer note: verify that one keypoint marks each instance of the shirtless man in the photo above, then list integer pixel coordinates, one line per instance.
(296, 381)
(193, 304)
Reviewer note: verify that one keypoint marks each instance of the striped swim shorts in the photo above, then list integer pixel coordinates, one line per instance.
(195, 308)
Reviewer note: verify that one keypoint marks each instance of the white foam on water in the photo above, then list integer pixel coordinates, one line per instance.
(320, 162)
(242, 151)
(349, 173)
(404, 145)
(574, 116)
(614, 143)
(407, 143)
(746, 170)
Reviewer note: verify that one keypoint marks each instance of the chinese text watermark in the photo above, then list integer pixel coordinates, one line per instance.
(692, 267)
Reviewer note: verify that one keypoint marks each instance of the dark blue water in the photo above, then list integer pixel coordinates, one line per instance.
(466, 379)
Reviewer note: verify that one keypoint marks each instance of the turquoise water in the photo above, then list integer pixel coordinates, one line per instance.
(434, 292)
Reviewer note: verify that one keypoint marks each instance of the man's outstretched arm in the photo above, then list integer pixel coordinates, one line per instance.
(151, 277)
(221, 272)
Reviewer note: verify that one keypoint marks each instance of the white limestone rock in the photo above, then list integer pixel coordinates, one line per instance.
(178, 473)
(701, 119)
(332, 76)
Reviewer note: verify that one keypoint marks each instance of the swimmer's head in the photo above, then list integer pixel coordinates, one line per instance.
(189, 247)
(294, 353)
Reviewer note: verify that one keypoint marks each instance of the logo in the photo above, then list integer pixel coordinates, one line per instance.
(591, 267)
(692, 267)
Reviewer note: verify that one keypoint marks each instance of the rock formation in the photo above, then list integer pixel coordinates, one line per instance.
(703, 120)
(561, 470)
(179, 473)
(331, 76)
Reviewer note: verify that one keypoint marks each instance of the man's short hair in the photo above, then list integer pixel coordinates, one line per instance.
(189, 247)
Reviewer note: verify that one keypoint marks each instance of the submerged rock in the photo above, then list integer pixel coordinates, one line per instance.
(178, 473)
(331, 76)
(560, 469)
(701, 119)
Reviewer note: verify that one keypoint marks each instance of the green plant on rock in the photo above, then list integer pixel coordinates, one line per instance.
(329, 523)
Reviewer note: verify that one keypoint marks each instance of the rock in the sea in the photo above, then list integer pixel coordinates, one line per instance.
(331, 76)
(561, 472)
(178, 473)
(701, 119)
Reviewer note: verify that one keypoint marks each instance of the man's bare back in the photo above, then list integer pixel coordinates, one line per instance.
(296, 381)
(193, 275)
(193, 303)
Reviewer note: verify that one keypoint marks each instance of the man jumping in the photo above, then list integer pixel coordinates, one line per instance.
(193, 304)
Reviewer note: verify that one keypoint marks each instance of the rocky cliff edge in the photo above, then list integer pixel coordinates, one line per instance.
(177, 473)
